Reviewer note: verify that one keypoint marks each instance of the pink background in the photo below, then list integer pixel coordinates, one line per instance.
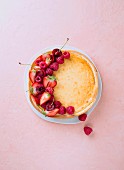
(30, 143)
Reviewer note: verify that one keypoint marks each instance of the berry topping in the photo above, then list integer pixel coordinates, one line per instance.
(88, 130)
(41, 73)
(36, 89)
(32, 75)
(35, 99)
(62, 110)
(38, 60)
(82, 117)
(66, 54)
(51, 98)
(54, 66)
(56, 52)
(50, 106)
(51, 113)
(40, 88)
(57, 104)
(70, 110)
(60, 60)
(49, 81)
(50, 90)
(42, 65)
(43, 105)
(38, 79)
(44, 98)
(49, 71)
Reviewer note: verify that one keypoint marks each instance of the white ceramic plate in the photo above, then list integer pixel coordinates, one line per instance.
(55, 120)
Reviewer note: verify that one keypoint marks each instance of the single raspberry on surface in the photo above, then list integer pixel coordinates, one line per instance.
(70, 110)
(82, 117)
(88, 130)
(62, 110)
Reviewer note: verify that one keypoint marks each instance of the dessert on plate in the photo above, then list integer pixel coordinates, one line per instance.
(62, 84)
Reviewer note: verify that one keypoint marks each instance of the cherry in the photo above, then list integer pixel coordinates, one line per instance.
(40, 88)
(49, 106)
(70, 110)
(57, 52)
(41, 73)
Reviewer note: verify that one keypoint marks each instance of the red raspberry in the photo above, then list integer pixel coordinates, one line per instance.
(70, 110)
(38, 79)
(54, 66)
(66, 54)
(62, 110)
(49, 71)
(57, 104)
(82, 117)
(87, 130)
(60, 60)
(42, 65)
(50, 90)
(41, 73)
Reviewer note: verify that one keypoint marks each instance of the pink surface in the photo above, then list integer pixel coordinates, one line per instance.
(28, 142)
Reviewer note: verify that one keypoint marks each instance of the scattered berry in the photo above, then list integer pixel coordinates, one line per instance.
(38, 79)
(49, 71)
(62, 110)
(54, 66)
(57, 104)
(66, 54)
(70, 110)
(42, 65)
(57, 52)
(60, 60)
(50, 90)
(49, 106)
(82, 117)
(88, 130)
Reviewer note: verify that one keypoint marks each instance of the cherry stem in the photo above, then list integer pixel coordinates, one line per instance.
(65, 43)
(24, 64)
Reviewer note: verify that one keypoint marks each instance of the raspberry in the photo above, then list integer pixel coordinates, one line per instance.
(50, 90)
(41, 73)
(49, 71)
(87, 130)
(54, 66)
(60, 60)
(62, 110)
(38, 79)
(70, 110)
(82, 117)
(42, 65)
(66, 54)
(57, 104)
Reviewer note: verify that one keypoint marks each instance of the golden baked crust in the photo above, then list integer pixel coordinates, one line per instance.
(77, 84)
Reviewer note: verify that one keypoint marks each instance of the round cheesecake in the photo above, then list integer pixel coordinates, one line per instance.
(77, 84)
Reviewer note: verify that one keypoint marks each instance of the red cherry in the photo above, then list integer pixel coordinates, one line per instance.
(60, 60)
(66, 54)
(70, 110)
(54, 66)
(56, 52)
(40, 88)
(87, 130)
(41, 73)
(49, 106)
(82, 117)
(57, 104)
(42, 65)
(49, 71)
(38, 79)
(62, 110)
(50, 90)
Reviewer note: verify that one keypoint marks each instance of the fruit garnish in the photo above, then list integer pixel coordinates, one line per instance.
(82, 117)
(70, 110)
(49, 81)
(50, 106)
(51, 113)
(49, 71)
(60, 60)
(42, 65)
(57, 104)
(54, 66)
(88, 130)
(41, 73)
(38, 60)
(32, 75)
(38, 79)
(47, 58)
(35, 99)
(51, 98)
(56, 52)
(37, 88)
(44, 98)
(37, 68)
(50, 90)
(62, 110)
(66, 54)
